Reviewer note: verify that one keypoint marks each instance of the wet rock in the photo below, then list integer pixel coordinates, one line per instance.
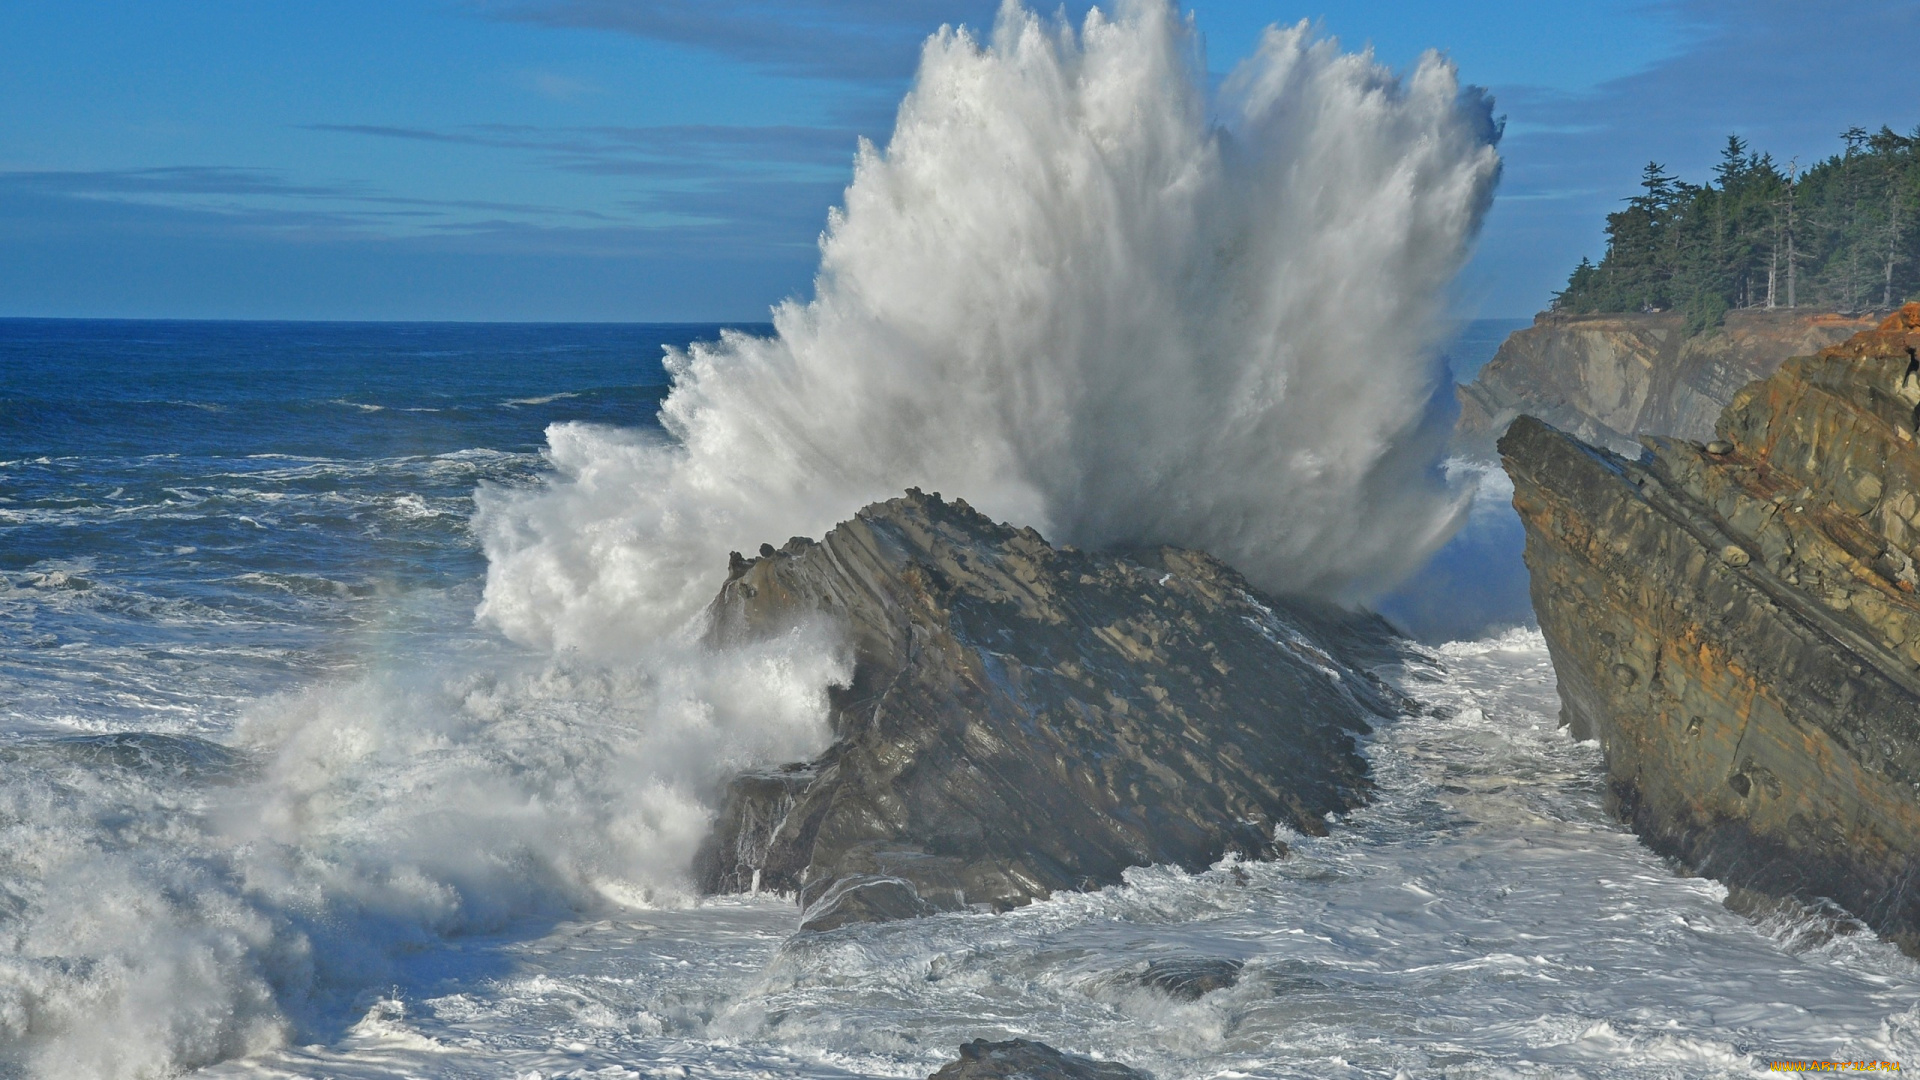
(1024, 1059)
(1024, 719)
(1190, 978)
(1768, 604)
(1609, 378)
(855, 898)
(755, 807)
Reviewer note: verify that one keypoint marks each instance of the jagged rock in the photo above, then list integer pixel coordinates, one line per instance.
(1190, 978)
(1024, 1059)
(1609, 378)
(1024, 718)
(1740, 630)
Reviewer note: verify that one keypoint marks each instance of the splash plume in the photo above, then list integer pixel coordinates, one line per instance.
(1086, 295)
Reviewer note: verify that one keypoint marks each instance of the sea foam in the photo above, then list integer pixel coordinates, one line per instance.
(1085, 294)
(160, 918)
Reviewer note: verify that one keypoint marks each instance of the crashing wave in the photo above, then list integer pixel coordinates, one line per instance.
(1087, 295)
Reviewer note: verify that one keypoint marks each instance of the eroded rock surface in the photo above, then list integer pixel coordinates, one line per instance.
(1024, 1059)
(1025, 718)
(1609, 378)
(1737, 623)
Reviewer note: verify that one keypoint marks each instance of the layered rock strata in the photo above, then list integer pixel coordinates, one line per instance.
(1024, 718)
(1609, 378)
(1736, 622)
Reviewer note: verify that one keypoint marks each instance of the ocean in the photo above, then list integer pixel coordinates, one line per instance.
(274, 804)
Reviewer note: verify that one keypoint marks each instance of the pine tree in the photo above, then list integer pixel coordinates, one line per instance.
(1842, 234)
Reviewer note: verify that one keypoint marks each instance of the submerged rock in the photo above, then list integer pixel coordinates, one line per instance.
(1024, 1059)
(1609, 378)
(1190, 978)
(1738, 626)
(1025, 718)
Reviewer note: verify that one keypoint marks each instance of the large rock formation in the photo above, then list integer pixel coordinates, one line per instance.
(1609, 378)
(1737, 624)
(1025, 718)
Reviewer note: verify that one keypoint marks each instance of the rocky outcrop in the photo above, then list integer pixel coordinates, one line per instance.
(1609, 378)
(1736, 622)
(1024, 718)
(1024, 1059)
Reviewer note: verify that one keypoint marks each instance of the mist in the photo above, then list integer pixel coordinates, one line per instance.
(1087, 295)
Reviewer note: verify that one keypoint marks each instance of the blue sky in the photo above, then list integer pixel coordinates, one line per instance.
(674, 159)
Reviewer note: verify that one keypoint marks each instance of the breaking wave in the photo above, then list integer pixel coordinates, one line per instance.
(1086, 294)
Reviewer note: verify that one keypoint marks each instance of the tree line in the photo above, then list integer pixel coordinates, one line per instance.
(1840, 235)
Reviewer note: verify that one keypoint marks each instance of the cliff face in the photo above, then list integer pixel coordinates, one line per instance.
(1737, 624)
(1025, 718)
(1609, 378)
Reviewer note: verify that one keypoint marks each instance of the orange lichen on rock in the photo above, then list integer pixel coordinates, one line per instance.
(1890, 338)
(1737, 623)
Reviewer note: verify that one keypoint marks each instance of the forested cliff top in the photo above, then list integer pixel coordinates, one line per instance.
(1840, 235)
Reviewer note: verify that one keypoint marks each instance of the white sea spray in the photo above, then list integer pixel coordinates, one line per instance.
(1084, 294)
(162, 921)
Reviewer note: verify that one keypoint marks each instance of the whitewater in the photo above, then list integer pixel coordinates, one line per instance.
(274, 801)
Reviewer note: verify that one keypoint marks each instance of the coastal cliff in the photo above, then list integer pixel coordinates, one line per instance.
(1609, 378)
(1736, 622)
(1025, 718)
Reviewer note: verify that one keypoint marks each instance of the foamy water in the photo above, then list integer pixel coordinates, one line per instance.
(272, 803)
(1483, 918)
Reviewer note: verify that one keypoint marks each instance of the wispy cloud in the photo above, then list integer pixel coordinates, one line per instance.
(387, 132)
(557, 87)
(670, 150)
(697, 188)
(737, 217)
(707, 188)
(90, 256)
(168, 180)
(857, 40)
(745, 212)
(263, 198)
(177, 201)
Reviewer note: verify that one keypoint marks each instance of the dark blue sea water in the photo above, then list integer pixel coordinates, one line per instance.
(1475, 344)
(192, 514)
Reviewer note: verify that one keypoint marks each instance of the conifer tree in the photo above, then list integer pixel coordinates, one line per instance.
(1843, 234)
